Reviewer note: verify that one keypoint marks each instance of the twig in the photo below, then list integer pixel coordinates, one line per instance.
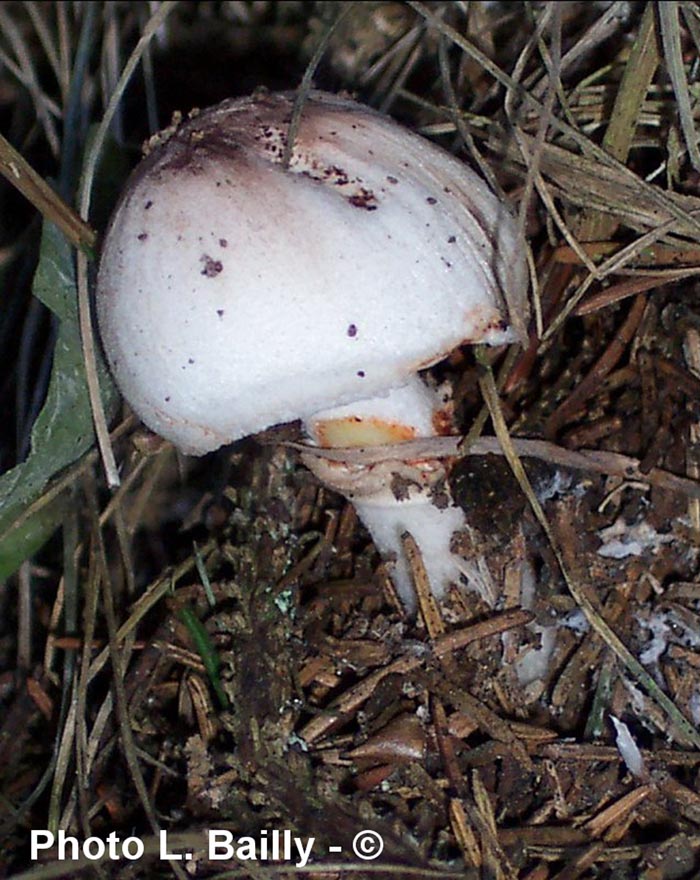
(598, 461)
(632, 286)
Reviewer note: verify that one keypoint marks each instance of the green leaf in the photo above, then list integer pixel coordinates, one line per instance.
(63, 432)
(206, 651)
(31, 535)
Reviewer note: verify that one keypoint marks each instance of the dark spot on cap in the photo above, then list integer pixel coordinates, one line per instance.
(391, 179)
(223, 242)
(352, 330)
(447, 189)
(220, 313)
(147, 205)
(143, 236)
(211, 267)
(167, 400)
(361, 374)
(365, 198)
(452, 239)
(431, 201)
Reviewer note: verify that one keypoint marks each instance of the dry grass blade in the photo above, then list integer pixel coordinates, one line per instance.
(125, 725)
(594, 178)
(307, 81)
(49, 204)
(28, 75)
(532, 151)
(629, 100)
(613, 189)
(601, 30)
(458, 121)
(91, 374)
(37, 13)
(671, 38)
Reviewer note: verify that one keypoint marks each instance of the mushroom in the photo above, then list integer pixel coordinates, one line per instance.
(240, 288)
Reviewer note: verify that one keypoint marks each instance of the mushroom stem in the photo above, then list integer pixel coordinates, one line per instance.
(395, 496)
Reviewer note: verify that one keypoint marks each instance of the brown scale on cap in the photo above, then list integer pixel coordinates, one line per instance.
(212, 267)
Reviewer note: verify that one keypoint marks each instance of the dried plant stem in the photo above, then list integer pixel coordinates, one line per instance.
(691, 348)
(595, 460)
(673, 53)
(92, 376)
(639, 72)
(49, 204)
(125, 727)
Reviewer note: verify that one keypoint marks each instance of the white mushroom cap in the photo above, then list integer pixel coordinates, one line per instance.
(234, 294)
